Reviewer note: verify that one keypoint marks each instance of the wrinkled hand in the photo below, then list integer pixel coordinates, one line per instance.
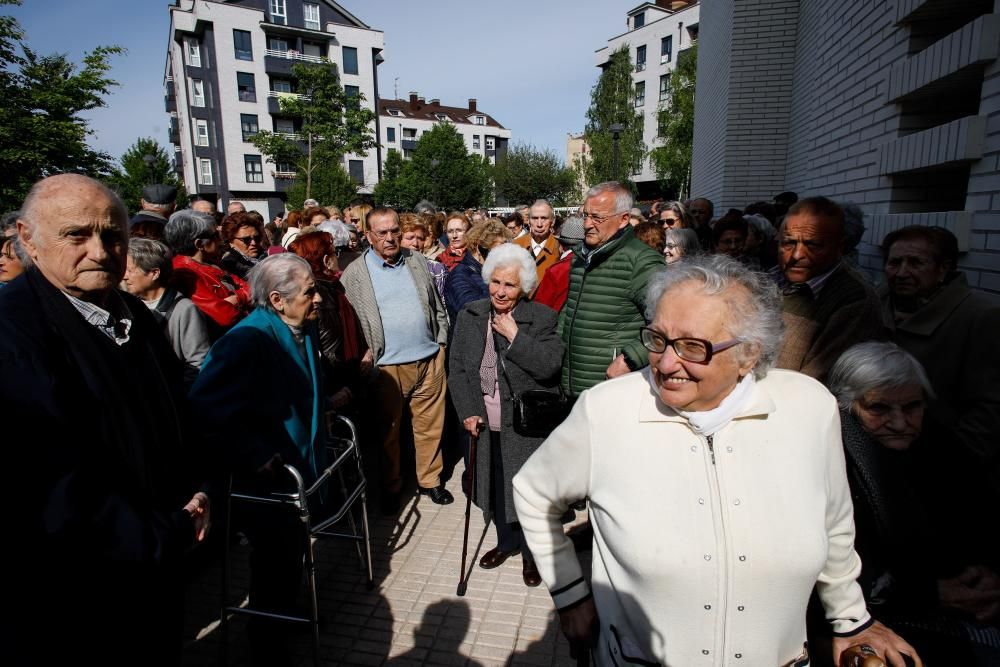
(886, 643)
(974, 592)
(200, 510)
(474, 425)
(617, 367)
(504, 324)
(580, 626)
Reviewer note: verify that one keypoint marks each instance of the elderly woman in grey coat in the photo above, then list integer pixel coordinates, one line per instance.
(502, 346)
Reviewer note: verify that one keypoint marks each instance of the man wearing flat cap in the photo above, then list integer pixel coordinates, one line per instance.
(158, 202)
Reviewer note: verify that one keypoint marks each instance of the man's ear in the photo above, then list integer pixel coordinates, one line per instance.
(24, 235)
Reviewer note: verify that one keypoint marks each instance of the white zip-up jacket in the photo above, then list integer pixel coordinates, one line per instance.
(702, 555)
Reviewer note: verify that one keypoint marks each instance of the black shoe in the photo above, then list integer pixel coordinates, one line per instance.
(495, 557)
(390, 504)
(529, 572)
(438, 495)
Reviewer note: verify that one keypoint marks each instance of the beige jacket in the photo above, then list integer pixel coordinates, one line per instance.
(702, 556)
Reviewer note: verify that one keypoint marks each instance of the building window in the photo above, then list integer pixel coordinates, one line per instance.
(480, 120)
(491, 143)
(281, 86)
(284, 168)
(664, 87)
(205, 171)
(197, 93)
(193, 53)
(246, 87)
(311, 12)
(637, 167)
(243, 45)
(640, 93)
(390, 135)
(409, 134)
(356, 168)
(350, 60)
(279, 45)
(314, 50)
(254, 168)
(407, 153)
(352, 95)
(201, 132)
(640, 58)
(638, 20)
(475, 142)
(248, 123)
(395, 112)
(442, 116)
(284, 126)
(278, 12)
(666, 49)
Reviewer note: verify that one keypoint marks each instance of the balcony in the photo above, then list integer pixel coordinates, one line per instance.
(170, 102)
(293, 55)
(274, 100)
(408, 143)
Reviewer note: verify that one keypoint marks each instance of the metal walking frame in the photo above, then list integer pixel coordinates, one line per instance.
(343, 450)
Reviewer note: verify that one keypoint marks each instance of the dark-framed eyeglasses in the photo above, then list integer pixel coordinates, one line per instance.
(695, 350)
(599, 218)
(247, 240)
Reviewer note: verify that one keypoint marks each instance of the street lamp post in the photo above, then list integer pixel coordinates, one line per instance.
(616, 131)
(149, 160)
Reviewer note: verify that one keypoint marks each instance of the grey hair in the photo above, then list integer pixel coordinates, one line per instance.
(507, 255)
(544, 202)
(149, 254)
(424, 206)
(875, 365)
(9, 222)
(185, 227)
(338, 231)
(686, 238)
(756, 319)
(623, 198)
(278, 273)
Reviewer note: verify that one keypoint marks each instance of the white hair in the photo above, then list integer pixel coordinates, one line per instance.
(507, 255)
(279, 273)
(623, 198)
(755, 318)
(875, 365)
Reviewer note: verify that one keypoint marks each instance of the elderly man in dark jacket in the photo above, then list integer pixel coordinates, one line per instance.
(102, 504)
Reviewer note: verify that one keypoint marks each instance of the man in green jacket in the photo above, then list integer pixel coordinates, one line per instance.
(605, 308)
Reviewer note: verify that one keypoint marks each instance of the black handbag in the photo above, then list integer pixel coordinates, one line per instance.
(537, 412)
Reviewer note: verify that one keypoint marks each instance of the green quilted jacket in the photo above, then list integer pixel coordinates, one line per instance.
(605, 309)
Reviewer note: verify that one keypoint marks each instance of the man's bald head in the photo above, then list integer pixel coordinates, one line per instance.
(203, 206)
(73, 229)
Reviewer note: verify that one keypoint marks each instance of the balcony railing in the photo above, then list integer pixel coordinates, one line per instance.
(278, 94)
(283, 174)
(293, 55)
(291, 136)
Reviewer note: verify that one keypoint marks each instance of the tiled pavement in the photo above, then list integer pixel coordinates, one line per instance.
(413, 616)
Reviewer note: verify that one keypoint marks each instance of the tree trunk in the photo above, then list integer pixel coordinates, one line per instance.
(309, 167)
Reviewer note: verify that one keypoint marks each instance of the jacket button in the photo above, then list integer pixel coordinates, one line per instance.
(708, 556)
(704, 651)
(743, 558)
(701, 501)
(739, 655)
(708, 606)
(740, 608)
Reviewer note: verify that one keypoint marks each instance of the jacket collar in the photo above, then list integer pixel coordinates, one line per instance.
(652, 409)
(523, 312)
(934, 313)
(599, 254)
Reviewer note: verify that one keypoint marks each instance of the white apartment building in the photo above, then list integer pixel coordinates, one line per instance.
(657, 35)
(401, 122)
(228, 64)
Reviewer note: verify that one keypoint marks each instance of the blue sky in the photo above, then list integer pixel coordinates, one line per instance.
(529, 63)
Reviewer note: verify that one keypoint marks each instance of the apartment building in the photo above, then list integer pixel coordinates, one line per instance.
(893, 105)
(228, 65)
(657, 34)
(401, 122)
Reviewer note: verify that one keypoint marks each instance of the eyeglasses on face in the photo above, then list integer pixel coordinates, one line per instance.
(394, 232)
(695, 350)
(590, 215)
(247, 240)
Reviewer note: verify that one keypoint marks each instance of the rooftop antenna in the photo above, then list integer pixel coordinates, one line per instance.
(395, 88)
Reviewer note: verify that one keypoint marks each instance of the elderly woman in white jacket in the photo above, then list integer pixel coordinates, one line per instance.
(717, 491)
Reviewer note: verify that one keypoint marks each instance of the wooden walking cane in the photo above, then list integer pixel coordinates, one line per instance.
(473, 443)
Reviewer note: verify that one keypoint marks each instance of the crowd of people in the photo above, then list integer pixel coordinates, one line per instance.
(771, 448)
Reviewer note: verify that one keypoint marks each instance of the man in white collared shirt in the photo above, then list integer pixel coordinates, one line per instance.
(540, 241)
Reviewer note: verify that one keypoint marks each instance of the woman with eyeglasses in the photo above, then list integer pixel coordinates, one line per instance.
(673, 215)
(717, 492)
(464, 282)
(456, 227)
(245, 236)
(10, 264)
(680, 243)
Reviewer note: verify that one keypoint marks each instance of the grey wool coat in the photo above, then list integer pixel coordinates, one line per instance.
(532, 361)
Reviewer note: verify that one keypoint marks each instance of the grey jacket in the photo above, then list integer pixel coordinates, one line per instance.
(361, 293)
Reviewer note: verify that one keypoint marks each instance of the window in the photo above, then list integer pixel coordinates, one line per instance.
(356, 168)
(666, 49)
(442, 116)
(314, 50)
(311, 12)
(409, 134)
(638, 20)
(281, 86)
(254, 168)
(278, 13)
(390, 135)
(197, 93)
(350, 60)
(246, 87)
(201, 132)
(664, 87)
(480, 120)
(395, 112)
(284, 168)
(243, 45)
(193, 53)
(640, 93)
(491, 143)
(637, 167)
(352, 93)
(248, 123)
(640, 58)
(475, 142)
(275, 44)
(284, 126)
(205, 171)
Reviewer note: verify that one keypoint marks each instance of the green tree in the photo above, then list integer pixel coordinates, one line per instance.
(331, 123)
(387, 191)
(612, 102)
(526, 174)
(42, 131)
(135, 172)
(441, 170)
(331, 185)
(672, 158)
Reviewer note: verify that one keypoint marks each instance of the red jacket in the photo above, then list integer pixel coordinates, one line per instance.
(450, 258)
(208, 287)
(554, 287)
